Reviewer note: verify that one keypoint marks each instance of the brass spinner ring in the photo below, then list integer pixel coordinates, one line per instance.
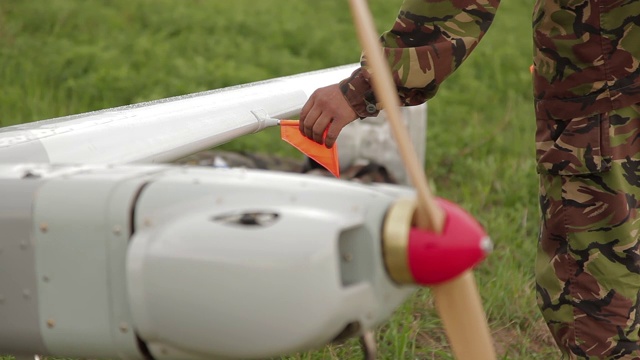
(395, 240)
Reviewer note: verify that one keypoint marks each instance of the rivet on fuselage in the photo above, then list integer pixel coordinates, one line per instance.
(123, 327)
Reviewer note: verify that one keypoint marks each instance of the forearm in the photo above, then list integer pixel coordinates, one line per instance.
(429, 40)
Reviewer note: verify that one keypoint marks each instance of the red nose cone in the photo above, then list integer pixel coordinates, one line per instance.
(435, 258)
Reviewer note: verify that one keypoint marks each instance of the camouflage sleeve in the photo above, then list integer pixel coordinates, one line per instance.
(429, 40)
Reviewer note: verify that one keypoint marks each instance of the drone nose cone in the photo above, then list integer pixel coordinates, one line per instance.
(435, 258)
(416, 256)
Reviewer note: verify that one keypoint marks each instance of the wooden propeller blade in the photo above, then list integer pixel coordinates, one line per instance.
(457, 301)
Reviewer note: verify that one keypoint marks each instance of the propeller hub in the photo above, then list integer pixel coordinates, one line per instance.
(417, 256)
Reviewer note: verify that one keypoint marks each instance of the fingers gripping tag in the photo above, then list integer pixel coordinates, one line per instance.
(289, 131)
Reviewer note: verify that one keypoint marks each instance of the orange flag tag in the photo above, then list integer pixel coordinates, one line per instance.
(328, 158)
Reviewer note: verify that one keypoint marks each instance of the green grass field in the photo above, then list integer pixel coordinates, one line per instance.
(61, 57)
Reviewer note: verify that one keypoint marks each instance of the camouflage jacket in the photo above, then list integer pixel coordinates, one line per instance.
(429, 40)
(586, 53)
(586, 57)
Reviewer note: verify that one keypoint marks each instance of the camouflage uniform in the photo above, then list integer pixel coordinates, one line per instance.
(429, 40)
(587, 105)
(588, 115)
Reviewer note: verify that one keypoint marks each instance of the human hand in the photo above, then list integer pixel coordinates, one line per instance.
(326, 107)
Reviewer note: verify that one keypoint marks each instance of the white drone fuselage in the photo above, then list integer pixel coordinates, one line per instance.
(192, 262)
(100, 258)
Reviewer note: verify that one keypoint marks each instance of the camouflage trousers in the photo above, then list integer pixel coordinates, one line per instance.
(588, 261)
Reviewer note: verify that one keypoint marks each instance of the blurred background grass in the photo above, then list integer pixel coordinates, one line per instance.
(61, 57)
